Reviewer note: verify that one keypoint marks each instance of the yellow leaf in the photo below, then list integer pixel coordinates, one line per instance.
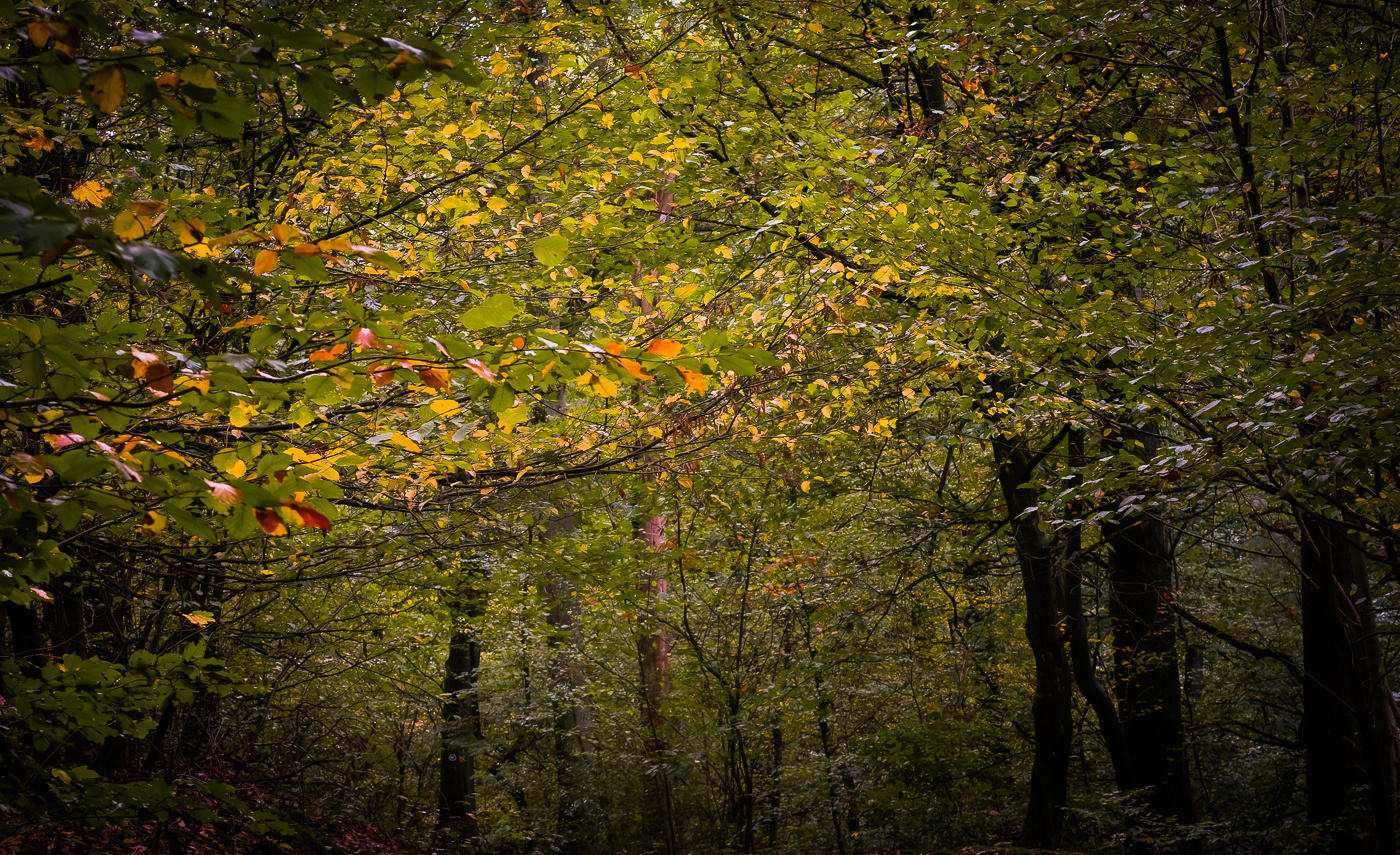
(496, 204)
(266, 262)
(604, 386)
(155, 522)
(190, 230)
(404, 442)
(444, 407)
(240, 415)
(236, 469)
(91, 193)
(130, 226)
(806, 486)
(107, 88)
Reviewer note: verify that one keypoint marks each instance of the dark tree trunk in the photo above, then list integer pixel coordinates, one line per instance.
(1081, 653)
(565, 641)
(461, 713)
(1348, 714)
(1146, 670)
(1051, 709)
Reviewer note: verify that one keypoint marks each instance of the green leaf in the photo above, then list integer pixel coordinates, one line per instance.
(552, 250)
(494, 311)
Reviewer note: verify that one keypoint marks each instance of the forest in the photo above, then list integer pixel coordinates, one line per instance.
(699, 426)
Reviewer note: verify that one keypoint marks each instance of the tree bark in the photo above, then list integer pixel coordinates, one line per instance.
(1051, 708)
(1349, 719)
(1147, 676)
(461, 711)
(653, 661)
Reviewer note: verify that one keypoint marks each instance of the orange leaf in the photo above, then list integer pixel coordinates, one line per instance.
(309, 515)
(284, 233)
(481, 370)
(693, 381)
(615, 348)
(326, 354)
(107, 88)
(270, 521)
(435, 378)
(266, 262)
(382, 375)
(634, 369)
(306, 249)
(664, 348)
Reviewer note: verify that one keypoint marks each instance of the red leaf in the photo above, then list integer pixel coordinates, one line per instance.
(481, 370)
(364, 338)
(270, 521)
(309, 516)
(225, 494)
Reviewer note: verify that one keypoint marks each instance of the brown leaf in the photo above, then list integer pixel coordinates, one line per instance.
(159, 378)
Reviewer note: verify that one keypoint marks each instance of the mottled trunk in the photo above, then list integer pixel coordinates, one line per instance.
(1348, 713)
(1051, 708)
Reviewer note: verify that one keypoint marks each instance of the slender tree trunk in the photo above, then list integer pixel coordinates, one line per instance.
(1051, 709)
(1081, 654)
(1349, 718)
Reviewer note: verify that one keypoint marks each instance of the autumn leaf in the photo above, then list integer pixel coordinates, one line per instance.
(160, 379)
(693, 381)
(226, 495)
(266, 262)
(270, 521)
(634, 368)
(364, 339)
(382, 374)
(308, 515)
(154, 522)
(200, 619)
(285, 233)
(482, 370)
(190, 230)
(107, 87)
(91, 193)
(327, 354)
(664, 348)
(435, 378)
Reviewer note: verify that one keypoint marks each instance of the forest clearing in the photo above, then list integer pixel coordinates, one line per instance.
(663, 428)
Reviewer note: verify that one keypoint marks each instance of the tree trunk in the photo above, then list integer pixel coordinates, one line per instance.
(653, 661)
(565, 641)
(1348, 713)
(1147, 677)
(1051, 708)
(461, 712)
